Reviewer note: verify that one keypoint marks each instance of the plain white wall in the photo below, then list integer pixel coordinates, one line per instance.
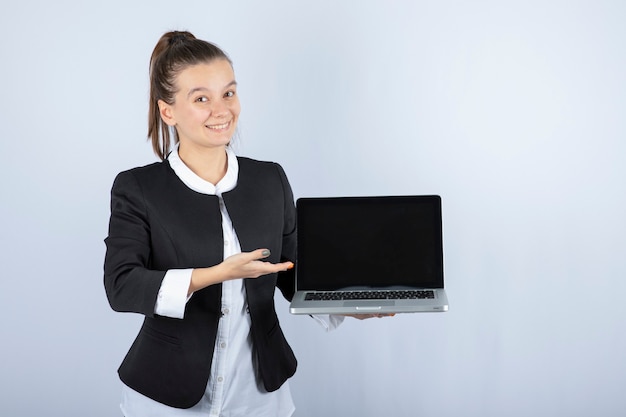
(512, 111)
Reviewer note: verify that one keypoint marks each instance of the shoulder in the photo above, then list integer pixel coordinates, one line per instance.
(261, 172)
(266, 177)
(250, 163)
(143, 173)
(257, 167)
(144, 178)
(146, 170)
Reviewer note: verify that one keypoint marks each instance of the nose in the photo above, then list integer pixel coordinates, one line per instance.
(219, 108)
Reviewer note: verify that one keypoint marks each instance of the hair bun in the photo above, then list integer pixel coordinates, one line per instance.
(178, 37)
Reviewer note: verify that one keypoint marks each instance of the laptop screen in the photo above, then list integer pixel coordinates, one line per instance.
(372, 242)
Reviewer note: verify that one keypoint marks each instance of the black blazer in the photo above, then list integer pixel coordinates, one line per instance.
(157, 223)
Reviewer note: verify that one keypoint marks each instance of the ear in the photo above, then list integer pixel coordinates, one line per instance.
(165, 110)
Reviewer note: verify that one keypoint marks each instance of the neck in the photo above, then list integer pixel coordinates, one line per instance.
(210, 164)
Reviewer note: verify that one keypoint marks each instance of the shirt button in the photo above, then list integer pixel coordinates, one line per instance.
(220, 379)
(226, 243)
(222, 345)
(225, 311)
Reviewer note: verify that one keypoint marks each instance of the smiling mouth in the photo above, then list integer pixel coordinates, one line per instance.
(218, 127)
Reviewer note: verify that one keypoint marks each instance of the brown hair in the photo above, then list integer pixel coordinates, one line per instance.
(174, 52)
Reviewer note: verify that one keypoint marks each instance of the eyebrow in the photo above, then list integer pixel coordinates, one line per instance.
(195, 90)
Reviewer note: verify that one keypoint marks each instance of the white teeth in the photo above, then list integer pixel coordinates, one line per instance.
(218, 127)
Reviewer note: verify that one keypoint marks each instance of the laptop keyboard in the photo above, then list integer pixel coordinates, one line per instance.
(369, 295)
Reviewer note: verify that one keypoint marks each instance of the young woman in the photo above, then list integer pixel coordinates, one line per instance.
(197, 243)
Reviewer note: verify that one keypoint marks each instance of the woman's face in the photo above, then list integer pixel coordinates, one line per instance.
(206, 107)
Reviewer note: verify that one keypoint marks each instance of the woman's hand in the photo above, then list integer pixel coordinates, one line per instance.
(250, 265)
(241, 265)
(369, 316)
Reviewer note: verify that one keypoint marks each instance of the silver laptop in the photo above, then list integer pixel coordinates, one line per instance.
(363, 255)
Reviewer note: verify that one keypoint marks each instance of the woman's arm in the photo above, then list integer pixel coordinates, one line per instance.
(130, 286)
(241, 265)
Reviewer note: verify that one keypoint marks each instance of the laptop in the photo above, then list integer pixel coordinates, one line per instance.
(364, 255)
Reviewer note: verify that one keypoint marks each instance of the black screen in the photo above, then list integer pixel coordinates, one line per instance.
(369, 241)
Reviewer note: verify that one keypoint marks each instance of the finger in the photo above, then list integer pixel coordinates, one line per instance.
(283, 266)
(264, 253)
(257, 268)
(254, 255)
(261, 253)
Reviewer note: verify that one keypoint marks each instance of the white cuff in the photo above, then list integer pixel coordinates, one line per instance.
(172, 296)
(329, 321)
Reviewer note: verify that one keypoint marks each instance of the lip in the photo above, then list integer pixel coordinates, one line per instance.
(219, 127)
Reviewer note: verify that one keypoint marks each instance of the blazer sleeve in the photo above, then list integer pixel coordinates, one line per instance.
(130, 285)
(286, 280)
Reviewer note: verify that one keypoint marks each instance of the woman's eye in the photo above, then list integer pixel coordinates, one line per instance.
(202, 99)
(229, 94)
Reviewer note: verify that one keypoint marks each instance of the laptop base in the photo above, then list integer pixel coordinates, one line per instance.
(438, 304)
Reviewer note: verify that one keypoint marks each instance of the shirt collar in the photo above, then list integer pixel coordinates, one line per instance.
(193, 181)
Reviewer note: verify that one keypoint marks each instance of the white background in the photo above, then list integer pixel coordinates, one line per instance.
(512, 111)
